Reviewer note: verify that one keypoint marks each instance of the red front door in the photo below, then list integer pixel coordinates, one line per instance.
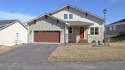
(81, 32)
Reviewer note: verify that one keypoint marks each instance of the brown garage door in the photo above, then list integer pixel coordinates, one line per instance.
(47, 36)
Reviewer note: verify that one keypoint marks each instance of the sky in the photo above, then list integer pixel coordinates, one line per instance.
(25, 10)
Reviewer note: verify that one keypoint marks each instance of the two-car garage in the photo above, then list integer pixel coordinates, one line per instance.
(47, 36)
(46, 29)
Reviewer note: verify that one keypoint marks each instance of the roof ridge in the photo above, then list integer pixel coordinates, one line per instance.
(116, 22)
(78, 9)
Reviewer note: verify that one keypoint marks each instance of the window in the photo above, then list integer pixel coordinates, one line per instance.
(94, 31)
(114, 27)
(65, 16)
(70, 29)
(70, 16)
(110, 28)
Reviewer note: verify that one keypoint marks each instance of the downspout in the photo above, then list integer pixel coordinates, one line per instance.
(29, 33)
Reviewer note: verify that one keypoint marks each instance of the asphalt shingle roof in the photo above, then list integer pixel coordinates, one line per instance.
(117, 22)
(5, 22)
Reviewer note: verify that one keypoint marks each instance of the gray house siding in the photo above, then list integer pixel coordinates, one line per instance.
(48, 24)
(120, 29)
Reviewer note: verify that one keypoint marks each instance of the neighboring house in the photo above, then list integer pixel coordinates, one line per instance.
(12, 32)
(116, 29)
(65, 25)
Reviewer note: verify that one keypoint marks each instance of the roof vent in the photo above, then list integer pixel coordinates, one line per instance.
(46, 16)
(86, 14)
(68, 7)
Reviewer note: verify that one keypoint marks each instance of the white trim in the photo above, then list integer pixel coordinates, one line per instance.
(66, 16)
(28, 22)
(94, 31)
(45, 43)
(84, 33)
(114, 27)
(110, 28)
(78, 10)
(69, 16)
(32, 36)
(46, 30)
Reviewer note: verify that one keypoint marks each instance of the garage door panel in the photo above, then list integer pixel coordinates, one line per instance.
(47, 36)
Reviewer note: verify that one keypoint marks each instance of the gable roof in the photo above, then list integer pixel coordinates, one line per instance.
(44, 16)
(70, 6)
(28, 22)
(118, 22)
(6, 23)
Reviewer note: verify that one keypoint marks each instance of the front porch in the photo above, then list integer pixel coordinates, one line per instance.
(78, 34)
(78, 31)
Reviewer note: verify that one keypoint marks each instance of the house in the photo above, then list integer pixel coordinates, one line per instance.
(116, 29)
(65, 25)
(12, 32)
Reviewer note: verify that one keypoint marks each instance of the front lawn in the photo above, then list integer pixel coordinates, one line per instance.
(81, 53)
(6, 48)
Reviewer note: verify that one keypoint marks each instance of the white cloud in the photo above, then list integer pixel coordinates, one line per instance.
(21, 16)
(114, 1)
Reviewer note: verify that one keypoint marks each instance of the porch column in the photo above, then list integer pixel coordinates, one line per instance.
(86, 32)
(66, 34)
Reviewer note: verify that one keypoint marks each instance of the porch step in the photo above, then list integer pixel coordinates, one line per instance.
(83, 41)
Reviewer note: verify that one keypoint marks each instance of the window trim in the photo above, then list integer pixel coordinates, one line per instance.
(69, 16)
(72, 30)
(114, 27)
(64, 16)
(110, 28)
(94, 31)
(90, 30)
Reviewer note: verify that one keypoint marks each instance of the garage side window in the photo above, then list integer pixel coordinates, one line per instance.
(94, 30)
(70, 29)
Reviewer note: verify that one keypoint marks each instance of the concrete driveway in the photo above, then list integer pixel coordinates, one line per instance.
(34, 57)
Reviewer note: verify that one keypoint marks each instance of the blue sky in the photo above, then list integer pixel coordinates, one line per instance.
(28, 9)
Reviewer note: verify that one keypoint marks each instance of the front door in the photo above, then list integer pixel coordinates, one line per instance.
(81, 32)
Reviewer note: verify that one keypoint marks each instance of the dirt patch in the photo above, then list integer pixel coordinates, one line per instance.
(81, 53)
(6, 48)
